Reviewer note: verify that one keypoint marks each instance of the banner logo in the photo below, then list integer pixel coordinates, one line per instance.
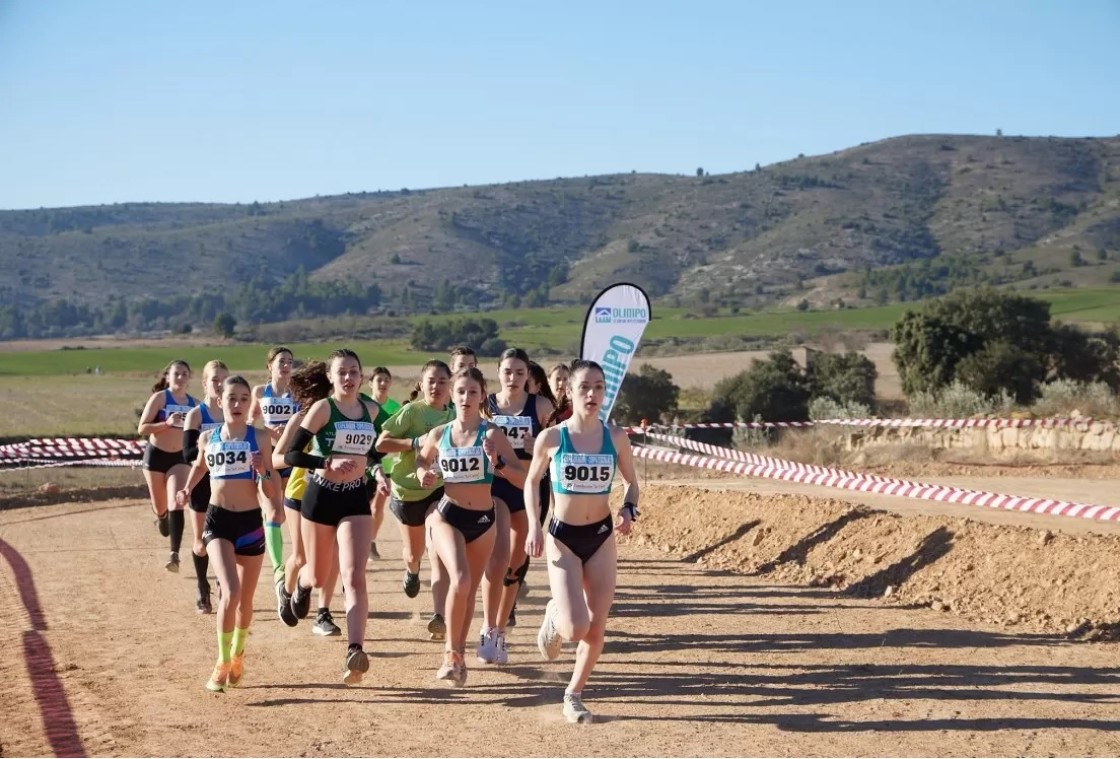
(611, 332)
(606, 315)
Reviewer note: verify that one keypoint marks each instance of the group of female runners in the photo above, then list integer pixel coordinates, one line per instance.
(469, 475)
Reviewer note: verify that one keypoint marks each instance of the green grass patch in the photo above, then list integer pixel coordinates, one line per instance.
(557, 329)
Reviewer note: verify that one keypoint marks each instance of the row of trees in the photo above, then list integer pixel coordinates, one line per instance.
(991, 341)
(996, 342)
(481, 335)
(255, 302)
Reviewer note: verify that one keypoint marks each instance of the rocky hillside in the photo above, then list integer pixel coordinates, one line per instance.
(893, 219)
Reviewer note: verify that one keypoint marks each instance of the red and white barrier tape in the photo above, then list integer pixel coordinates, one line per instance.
(892, 423)
(749, 458)
(60, 447)
(882, 485)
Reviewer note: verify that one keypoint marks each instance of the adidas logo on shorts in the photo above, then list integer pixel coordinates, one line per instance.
(603, 528)
(484, 519)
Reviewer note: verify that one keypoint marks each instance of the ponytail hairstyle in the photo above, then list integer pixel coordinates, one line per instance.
(310, 383)
(435, 363)
(343, 353)
(162, 383)
(236, 380)
(564, 403)
(463, 350)
(473, 373)
(583, 365)
(516, 353)
(272, 354)
(537, 374)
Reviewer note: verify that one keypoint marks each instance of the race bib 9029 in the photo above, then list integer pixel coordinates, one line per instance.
(353, 438)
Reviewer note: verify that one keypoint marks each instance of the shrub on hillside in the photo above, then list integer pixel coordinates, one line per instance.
(997, 342)
(828, 408)
(650, 394)
(957, 401)
(1092, 399)
(843, 377)
(480, 334)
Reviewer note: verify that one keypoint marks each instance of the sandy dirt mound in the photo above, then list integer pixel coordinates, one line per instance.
(44, 497)
(1013, 577)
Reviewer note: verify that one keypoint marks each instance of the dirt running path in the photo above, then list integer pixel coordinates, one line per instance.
(105, 643)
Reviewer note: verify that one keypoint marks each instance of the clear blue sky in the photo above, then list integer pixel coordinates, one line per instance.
(110, 101)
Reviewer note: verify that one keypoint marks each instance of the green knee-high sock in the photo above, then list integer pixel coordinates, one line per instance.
(224, 641)
(239, 636)
(274, 543)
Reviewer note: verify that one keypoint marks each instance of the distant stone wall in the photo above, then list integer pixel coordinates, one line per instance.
(1096, 436)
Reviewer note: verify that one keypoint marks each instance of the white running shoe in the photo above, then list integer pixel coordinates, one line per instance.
(548, 639)
(488, 645)
(501, 655)
(574, 710)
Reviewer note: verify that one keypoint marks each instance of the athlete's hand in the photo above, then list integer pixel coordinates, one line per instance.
(382, 483)
(534, 541)
(258, 464)
(176, 419)
(182, 497)
(427, 478)
(342, 466)
(490, 448)
(528, 440)
(624, 523)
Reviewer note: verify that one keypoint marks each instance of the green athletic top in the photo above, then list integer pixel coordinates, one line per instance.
(388, 408)
(413, 420)
(341, 434)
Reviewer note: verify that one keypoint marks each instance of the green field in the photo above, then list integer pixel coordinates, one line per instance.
(557, 329)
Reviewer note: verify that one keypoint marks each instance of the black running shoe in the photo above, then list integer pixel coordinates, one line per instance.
(512, 621)
(324, 624)
(164, 524)
(202, 603)
(284, 605)
(357, 664)
(301, 601)
(411, 584)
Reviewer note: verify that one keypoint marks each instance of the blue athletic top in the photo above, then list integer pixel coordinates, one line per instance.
(467, 465)
(575, 473)
(172, 406)
(231, 459)
(208, 422)
(517, 426)
(277, 409)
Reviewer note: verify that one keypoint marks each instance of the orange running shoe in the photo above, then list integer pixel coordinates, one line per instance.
(220, 678)
(236, 669)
